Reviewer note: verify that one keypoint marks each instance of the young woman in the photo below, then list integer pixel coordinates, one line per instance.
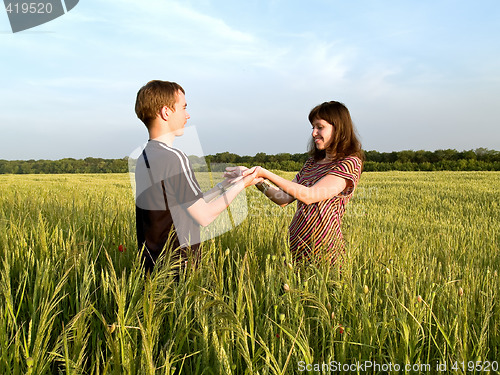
(323, 187)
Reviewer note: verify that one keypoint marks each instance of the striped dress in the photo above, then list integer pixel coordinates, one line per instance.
(315, 230)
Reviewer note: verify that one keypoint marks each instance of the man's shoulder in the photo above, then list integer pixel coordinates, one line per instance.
(167, 154)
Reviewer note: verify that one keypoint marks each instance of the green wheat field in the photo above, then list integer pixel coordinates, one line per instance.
(419, 284)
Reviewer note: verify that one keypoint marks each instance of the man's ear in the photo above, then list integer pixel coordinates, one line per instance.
(164, 113)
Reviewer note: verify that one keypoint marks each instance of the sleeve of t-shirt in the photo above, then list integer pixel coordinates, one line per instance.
(181, 182)
(349, 169)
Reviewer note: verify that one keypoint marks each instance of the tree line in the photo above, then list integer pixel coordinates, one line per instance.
(480, 159)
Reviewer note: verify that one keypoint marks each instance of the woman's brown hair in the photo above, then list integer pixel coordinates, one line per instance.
(345, 141)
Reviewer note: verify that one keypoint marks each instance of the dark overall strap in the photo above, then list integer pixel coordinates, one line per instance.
(151, 177)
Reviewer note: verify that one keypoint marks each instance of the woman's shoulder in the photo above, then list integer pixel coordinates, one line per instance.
(351, 159)
(350, 164)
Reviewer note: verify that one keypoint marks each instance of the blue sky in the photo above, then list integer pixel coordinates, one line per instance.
(415, 75)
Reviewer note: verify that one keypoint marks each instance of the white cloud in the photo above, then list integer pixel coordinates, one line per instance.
(179, 24)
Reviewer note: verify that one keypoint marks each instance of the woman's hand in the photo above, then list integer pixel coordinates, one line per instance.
(257, 171)
(250, 177)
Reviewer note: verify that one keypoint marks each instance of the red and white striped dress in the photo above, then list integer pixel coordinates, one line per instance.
(315, 230)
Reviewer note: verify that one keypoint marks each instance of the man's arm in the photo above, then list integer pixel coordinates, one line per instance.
(218, 189)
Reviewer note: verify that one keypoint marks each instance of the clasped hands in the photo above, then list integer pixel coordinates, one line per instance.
(249, 176)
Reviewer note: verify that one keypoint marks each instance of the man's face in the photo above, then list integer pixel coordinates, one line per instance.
(178, 118)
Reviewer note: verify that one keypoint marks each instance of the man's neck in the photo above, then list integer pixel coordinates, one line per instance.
(160, 132)
(167, 138)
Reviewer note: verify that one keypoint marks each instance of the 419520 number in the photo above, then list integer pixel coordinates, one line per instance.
(33, 8)
(475, 366)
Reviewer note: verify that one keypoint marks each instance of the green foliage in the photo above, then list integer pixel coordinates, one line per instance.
(68, 165)
(419, 283)
(480, 159)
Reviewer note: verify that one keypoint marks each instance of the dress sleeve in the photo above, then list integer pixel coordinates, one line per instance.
(349, 169)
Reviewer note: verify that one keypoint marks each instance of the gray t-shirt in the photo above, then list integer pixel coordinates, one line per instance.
(165, 187)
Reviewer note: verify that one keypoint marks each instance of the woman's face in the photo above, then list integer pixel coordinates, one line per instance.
(322, 133)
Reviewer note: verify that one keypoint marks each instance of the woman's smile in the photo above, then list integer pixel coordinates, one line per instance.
(318, 142)
(322, 133)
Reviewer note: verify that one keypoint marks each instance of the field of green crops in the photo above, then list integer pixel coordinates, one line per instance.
(419, 285)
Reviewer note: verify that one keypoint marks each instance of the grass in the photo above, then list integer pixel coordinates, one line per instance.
(419, 284)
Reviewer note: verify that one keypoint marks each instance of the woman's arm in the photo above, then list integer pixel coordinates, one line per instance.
(275, 194)
(326, 188)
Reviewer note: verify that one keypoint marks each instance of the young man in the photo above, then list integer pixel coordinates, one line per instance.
(170, 206)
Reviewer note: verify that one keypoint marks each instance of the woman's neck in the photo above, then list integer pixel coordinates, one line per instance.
(327, 159)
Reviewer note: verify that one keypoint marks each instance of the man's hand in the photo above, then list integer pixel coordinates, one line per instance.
(243, 174)
(234, 172)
